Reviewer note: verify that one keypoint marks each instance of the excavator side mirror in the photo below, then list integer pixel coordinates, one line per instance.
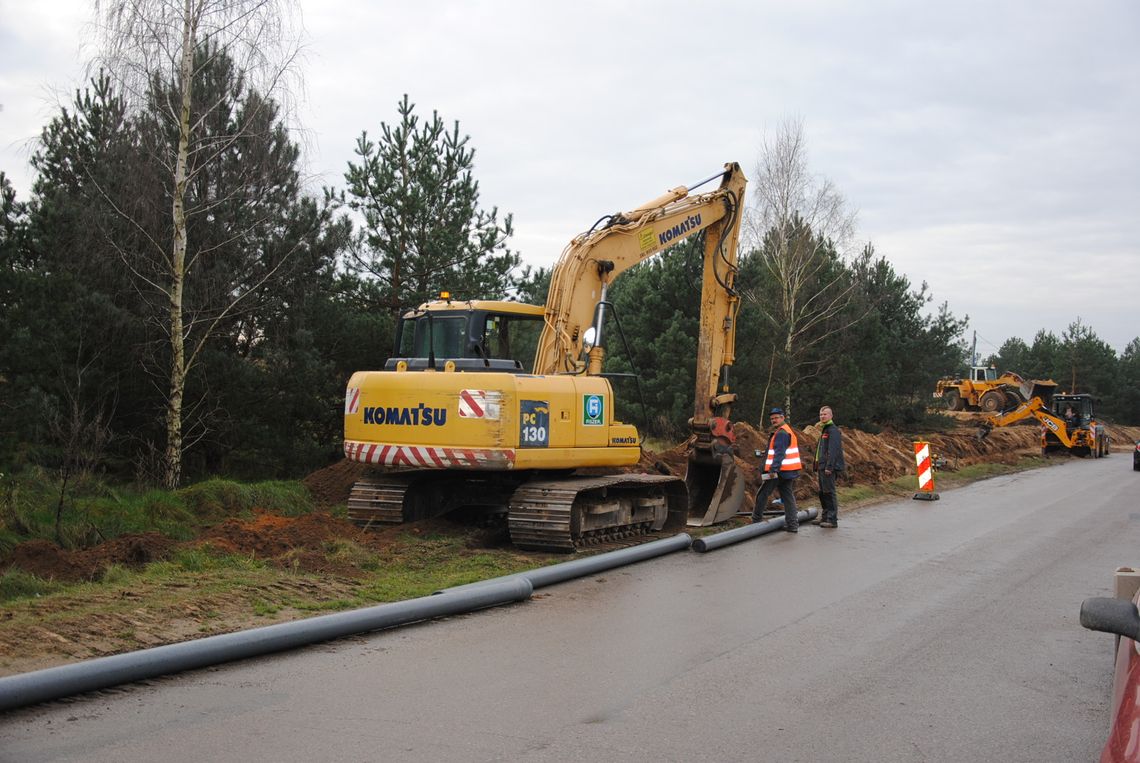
(588, 337)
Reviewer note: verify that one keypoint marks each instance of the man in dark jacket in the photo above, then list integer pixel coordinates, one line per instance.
(781, 467)
(828, 463)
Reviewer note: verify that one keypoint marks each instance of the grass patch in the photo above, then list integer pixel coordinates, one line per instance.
(419, 566)
(856, 494)
(218, 499)
(263, 608)
(656, 445)
(202, 559)
(345, 551)
(94, 511)
(17, 584)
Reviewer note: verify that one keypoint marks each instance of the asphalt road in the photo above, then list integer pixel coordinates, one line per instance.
(940, 631)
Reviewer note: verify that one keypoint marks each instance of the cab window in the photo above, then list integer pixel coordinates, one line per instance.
(510, 337)
(444, 335)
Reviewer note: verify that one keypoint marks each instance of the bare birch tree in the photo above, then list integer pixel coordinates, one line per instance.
(798, 224)
(145, 45)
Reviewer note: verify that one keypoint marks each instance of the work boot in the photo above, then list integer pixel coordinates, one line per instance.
(827, 523)
(791, 528)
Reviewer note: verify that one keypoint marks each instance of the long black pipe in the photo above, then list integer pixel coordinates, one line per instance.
(54, 683)
(557, 573)
(728, 537)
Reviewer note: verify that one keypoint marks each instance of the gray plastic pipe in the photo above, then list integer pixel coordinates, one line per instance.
(728, 537)
(557, 573)
(54, 683)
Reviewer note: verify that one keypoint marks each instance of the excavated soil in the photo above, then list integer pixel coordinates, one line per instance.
(309, 544)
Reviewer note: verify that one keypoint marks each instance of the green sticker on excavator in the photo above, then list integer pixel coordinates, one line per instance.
(593, 411)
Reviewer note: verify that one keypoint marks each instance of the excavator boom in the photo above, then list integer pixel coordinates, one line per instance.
(577, 302)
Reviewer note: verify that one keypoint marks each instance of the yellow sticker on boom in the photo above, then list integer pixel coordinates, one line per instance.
(646, 239)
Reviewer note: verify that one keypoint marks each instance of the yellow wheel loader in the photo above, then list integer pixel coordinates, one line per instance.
(983, 389)
(458, 421)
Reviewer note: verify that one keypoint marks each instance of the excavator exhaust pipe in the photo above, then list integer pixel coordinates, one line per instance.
(716, 488)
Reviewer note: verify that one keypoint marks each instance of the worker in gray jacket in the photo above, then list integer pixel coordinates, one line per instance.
(828, 464)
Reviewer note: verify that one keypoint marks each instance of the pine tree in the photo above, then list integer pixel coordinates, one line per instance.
(423, 230)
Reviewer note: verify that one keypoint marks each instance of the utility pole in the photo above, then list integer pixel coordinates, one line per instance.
(974, 351)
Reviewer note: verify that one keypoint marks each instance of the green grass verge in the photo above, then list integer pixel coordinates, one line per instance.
(94, 511)
(414, 566)
(967, 474)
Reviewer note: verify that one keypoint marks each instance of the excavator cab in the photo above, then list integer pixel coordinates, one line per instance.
(477, 335)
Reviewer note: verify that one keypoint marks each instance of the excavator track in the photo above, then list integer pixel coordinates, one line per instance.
(413, 495)
(379, 500)
(565, 515)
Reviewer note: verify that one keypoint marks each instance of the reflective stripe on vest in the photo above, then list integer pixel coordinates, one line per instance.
(791, 460)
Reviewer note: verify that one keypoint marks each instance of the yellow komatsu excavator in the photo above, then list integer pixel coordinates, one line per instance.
(460, 422)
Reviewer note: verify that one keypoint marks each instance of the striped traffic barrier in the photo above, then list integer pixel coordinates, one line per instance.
(925, 473)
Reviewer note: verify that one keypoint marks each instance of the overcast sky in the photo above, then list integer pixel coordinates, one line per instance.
(990, 149)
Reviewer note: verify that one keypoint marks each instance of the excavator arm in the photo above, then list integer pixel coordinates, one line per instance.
(1035, 408)
(579, 284)
(577, 302)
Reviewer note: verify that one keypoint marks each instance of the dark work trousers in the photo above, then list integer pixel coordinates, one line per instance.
(828, 506)
(787, 495)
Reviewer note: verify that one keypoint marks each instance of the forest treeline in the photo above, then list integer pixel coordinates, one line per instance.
(240, 295)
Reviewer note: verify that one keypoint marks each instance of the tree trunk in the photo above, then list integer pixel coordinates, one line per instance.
(65, 474)
(178, 368)
(790, 372)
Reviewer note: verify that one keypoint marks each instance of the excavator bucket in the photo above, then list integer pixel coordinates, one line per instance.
(716, 488)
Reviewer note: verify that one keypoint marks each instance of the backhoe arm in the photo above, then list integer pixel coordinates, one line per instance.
(1035, 408)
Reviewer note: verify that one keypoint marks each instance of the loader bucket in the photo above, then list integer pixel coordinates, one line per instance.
(716, 488)
(1042, 389)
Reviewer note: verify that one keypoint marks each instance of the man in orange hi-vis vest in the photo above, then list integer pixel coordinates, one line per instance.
(781, 467)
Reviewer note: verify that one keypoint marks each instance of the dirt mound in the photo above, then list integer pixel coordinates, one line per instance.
(871, 458)
(268, 536)
(50, 562)
(1123, 437)
(330, 486)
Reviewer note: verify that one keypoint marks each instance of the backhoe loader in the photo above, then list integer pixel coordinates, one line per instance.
(460, 422)
(1070, 424)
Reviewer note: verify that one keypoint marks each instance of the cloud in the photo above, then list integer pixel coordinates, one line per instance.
(989, 148)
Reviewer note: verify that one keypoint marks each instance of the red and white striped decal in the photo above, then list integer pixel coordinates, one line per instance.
(472, 404)
(925, 471)
(351, 400)
(429, 456)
